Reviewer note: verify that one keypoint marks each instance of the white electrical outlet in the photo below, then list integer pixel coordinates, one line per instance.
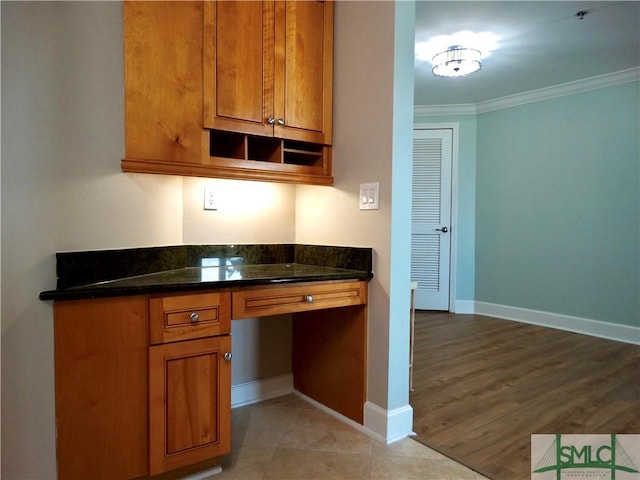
(209, 198)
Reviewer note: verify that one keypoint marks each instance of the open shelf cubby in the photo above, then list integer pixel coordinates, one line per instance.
(248, 156)
(303, 153)
(264, 149)
(228, 144)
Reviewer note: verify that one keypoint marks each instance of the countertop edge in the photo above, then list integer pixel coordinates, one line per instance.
(91, 292)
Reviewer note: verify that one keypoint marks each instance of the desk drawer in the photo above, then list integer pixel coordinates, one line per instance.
(300, 297)
(183, 317)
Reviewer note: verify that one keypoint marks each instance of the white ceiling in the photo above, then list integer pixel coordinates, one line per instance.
(541, 44)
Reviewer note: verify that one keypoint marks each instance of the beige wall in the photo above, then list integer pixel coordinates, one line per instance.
(248, 212)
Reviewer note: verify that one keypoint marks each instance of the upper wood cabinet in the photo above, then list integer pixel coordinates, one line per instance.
(163, 83)
(229, 89)
(268, 68)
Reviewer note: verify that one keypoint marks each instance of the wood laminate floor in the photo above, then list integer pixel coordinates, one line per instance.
(483, 385)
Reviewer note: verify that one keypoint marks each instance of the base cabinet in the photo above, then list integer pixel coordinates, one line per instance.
(101, 388)
(143, 383)
(188, 402)
(126, 409)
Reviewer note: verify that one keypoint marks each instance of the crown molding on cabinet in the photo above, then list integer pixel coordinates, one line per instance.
(570, 88)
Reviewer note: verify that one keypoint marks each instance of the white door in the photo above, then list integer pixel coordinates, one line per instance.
(431, 217)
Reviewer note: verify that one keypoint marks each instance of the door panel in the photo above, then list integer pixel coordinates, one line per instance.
(189, 402)
(431, 217)
(238, 66)
(304, 72)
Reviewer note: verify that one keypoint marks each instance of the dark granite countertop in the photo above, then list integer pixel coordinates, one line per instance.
(152, 270)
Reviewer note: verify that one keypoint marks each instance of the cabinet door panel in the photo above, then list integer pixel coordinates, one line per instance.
(189, 402)
(192, 402)
(304, 70)
(238, 64)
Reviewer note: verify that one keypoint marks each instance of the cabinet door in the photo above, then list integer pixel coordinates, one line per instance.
(238, 66)
(304, 70)
(189, 402)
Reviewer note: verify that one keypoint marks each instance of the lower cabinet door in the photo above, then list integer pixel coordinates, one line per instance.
(189, 402)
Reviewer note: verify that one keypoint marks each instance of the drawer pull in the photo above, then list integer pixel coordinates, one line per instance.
(308, 299)
(227, 356)
(194, 317)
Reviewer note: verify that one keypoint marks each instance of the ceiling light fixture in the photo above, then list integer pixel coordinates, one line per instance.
(456, 61)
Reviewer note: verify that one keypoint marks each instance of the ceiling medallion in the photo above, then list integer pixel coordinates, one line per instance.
(456, 61)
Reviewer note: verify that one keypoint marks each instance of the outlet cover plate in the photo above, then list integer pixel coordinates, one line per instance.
(209, 198)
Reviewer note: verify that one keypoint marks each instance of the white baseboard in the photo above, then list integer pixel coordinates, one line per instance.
(253, 392)
(388, 426)
(586, 326)
(464, 306)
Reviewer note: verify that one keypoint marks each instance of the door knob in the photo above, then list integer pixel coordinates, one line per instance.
(227, 356)
(281, 121)
(271, 120)
(443, 229)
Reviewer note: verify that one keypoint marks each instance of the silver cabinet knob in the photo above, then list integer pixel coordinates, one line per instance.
(271, 120)
(194, 317)
(308, 299)
(443, 229)
(281, 121)
(227, 356)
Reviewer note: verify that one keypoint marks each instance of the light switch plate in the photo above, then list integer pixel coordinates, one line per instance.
(370, 196)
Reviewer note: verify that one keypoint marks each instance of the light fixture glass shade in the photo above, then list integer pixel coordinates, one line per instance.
(456, 61)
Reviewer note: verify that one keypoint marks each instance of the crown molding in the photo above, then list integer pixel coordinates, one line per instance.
(570, 88)
(462, 109)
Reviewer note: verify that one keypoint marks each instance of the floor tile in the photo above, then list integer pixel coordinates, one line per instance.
(291, 464)
(287, 438)
(245, 463)
(409, 468)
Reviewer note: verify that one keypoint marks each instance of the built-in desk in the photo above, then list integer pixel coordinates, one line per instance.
(142, 362)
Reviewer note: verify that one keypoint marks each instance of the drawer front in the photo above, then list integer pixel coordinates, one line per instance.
(276, 300)
(184, 317)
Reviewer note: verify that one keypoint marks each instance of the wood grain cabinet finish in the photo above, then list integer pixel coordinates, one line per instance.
(229, 89)
(101, 388)
(277, 299)
(126, 409)
(268, 68)
(189, 379)
(183, 317)
(163, 85)
(189, 402)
